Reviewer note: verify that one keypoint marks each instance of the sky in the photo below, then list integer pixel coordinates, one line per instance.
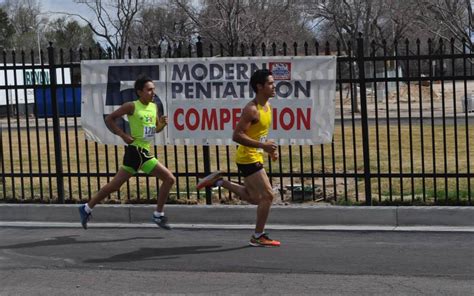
(52, 6)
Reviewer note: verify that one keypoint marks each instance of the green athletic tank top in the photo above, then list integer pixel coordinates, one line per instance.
(143, 124)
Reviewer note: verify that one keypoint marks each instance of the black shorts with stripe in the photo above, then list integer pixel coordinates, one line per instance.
(136, 158)
(249, 168)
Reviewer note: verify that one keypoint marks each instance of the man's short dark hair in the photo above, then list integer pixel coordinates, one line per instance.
(259, 77)
(140, 82)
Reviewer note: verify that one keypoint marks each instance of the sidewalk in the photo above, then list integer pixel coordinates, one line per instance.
(243, 217)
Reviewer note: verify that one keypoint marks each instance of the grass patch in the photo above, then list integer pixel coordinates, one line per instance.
(391, 152)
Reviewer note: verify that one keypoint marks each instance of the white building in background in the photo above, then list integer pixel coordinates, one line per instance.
(16, 85)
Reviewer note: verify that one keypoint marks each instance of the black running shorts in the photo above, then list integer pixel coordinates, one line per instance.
(250, 168)
(136, 158)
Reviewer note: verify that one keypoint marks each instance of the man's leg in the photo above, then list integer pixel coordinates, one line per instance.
(258, 185)
(240, 191)
(215, 179)
(257, 190)
(114, 185)
(167, 179)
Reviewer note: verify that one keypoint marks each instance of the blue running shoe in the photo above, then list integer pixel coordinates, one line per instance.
(85, 217)
(161, 222)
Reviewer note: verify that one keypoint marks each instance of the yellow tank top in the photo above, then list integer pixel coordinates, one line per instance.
(258, 132)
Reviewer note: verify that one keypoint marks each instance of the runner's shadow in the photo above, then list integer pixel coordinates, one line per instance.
(70, 240)
(149, 253)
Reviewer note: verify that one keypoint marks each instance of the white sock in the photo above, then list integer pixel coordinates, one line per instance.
(87, 209)
(158, 214)
(258, 234)
(219, 182)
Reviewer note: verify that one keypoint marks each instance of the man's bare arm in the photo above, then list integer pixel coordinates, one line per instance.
(161, 123)
(127, 108)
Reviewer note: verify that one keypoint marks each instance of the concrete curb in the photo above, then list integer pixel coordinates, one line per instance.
(294, 215)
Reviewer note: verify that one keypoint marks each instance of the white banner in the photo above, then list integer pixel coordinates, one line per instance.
(106, 85)
(204, 97)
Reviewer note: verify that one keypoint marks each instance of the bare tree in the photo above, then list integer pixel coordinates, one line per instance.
(235, 22)
(377, 20)
(447, 19)
(69, 34)
(26, 19)
(7, 30)
(114, 21)
(383, 23)
(162, 25)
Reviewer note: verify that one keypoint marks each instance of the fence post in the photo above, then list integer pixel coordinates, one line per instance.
(205, 149)
(364, 119)
(56, 127)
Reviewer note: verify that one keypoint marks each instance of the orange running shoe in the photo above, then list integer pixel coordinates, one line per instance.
(263, 241)
(209, 181)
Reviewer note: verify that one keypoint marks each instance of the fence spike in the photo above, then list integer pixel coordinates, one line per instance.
(61, 55)
(373, 48)
(71, 55)
(179, 48)
(199, 50)
(32, 56)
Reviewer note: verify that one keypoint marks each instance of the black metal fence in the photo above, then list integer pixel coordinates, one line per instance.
(401, 136)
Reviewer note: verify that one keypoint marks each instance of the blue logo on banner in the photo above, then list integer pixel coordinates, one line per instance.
(117, 97)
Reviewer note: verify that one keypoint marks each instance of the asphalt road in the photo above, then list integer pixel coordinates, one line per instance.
(147, 261)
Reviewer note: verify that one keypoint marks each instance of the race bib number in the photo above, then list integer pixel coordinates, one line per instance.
(149, 133)
(262, 139)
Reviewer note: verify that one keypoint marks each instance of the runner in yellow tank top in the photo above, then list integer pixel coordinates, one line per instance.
(258, 132)
(144, 123)
(251, 133)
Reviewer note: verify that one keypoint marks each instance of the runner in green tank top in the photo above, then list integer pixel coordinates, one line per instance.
(144, 124)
